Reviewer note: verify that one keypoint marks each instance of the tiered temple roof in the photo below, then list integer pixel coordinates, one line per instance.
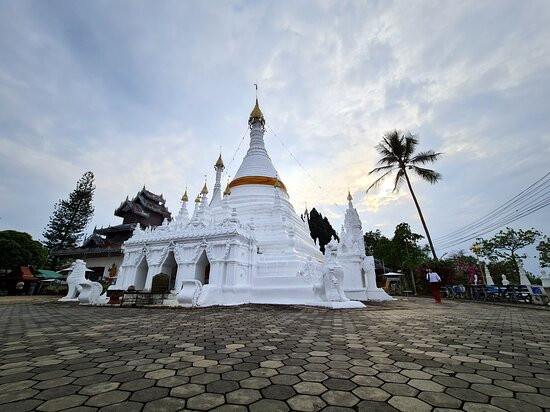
(146, 209)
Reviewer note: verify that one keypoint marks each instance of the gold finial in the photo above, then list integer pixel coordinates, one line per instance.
(227, 190)
(198, 199)
(219, 162)
(204, 190)
(256, 112)
(185, 198)
(349, 196)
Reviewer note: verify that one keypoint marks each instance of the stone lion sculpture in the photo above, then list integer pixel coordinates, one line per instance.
(82, 289)
(330, 288)
(77, 276)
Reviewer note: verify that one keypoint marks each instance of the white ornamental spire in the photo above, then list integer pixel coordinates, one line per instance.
(217, 193)
(183, 215)
(257, 161)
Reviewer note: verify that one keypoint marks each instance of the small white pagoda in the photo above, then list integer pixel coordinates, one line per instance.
(248, 245)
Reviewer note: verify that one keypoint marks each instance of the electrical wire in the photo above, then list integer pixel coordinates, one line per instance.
(521, 198)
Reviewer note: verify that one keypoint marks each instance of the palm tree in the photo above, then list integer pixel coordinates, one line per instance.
(397, 152)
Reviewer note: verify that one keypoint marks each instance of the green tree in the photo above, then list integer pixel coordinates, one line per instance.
(371, 239)
(320, 229)
(503, 267)
(544, 252)
(19, 249)
(398, 155)
(71, 216)
(506, 245)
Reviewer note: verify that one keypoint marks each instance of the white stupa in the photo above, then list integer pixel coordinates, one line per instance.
(246, 245)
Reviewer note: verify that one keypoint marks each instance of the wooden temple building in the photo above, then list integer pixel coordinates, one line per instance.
(102, 250)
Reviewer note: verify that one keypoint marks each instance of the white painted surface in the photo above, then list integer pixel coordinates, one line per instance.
(248, 247)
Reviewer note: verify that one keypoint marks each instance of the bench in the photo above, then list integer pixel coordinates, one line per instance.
(139, 298)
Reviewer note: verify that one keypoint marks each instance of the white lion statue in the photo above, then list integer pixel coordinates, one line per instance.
(81, 289)
(330, 286)
(77, 276)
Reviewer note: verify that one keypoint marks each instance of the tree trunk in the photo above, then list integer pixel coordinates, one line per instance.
(421, 216)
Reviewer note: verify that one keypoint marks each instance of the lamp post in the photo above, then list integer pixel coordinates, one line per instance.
(475, 248)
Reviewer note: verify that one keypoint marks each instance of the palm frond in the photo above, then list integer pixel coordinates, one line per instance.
(382, 168)
(395, 143)
(428, 156)
(427, 174)
(411, 141)
(378, 181)
(399, 178)
(388, 160)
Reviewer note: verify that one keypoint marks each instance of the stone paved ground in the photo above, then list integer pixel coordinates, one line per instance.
(408, 356)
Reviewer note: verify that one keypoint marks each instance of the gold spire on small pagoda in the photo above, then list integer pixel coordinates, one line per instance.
(256, 112)
(204, 190)
(350, 198)
(185, 198)
(227, 190)
(219, 162)
(198, 199)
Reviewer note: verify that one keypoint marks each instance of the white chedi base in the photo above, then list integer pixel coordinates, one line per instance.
(378, 295)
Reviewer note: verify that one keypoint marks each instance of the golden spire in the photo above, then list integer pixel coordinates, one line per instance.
(219, 162)
(227, 190)
(204, 190)
(349, 196)
(256, 112)
(185, 198)
(198, 199)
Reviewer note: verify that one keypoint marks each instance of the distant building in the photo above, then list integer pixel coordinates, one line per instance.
(103, 248)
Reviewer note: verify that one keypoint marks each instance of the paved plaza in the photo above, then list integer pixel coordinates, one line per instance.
(409, 355)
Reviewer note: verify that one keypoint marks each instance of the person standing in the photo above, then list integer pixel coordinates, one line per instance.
(435, 283)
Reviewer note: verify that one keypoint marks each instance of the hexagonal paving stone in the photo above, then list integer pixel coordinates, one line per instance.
(63, 402)
(137, 384)
(313, 376)
(310, 388)
(123, 406)
(371, 394)
(535, 399)
(254, 383)
(205, 378)
(441, 400)
(340, 398)
(426, 385)
(279, 392)
(165, 405)
(172, 381)
(159, 374)
(107, 398)
(408, 404)
(468, 395)
(269, 405)
(513, 405)
(205, 401)
(306, 403)
(392, 377)
(222, 386)
(400, 389)
(149, 394)
(187, 390)
(243, 396)
(100, 387)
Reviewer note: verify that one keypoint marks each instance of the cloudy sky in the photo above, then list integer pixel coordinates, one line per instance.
(146, 93)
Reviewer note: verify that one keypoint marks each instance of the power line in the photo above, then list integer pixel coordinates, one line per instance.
(509, 218)
(521, 198)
